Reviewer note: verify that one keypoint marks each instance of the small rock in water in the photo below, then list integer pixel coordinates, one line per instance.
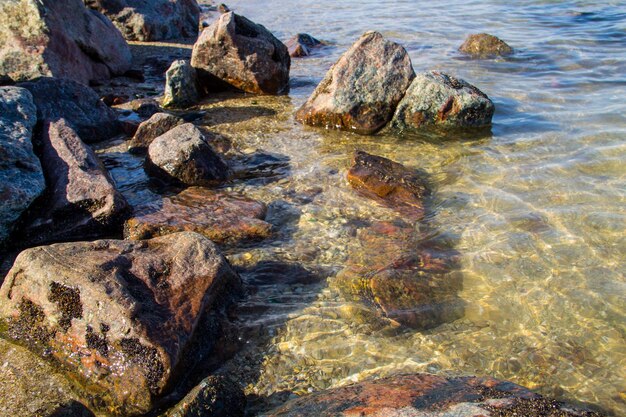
(484, 45)
(215, 396)
(144, 107)
(438, 99)
(301, 45)
(152, 128)
(180, 85)
(360, 92)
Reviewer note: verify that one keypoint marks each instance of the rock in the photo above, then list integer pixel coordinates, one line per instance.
(144, 107)
(77, 104)
(301, 44)
(59, 38)
(242, 54)
(180, 85)
(21, 176)
(81, 201)
(153, 20)
(438, 99)
(360, 92)
(484, 45)
(120, 316)
(389, 182)
(222, 8)
(183, 155)
(152, 128)
(425, 395)
(215, 396)
(221, 217)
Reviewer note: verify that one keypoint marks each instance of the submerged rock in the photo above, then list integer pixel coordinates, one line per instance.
(76, 103)
(215, 396)
(152, 128)
(360, 92)
(21, 175)
(301, 45)
(180, 85)
(59, 38)
(183, 155)
(221, 217)
(81, 201)
(438, 99)
(237, 52)
(119, 315)
(153, 20)
(425, 395)
(484, 45)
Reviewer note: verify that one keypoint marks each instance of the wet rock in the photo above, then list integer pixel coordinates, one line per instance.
(77, 104)
(215, 396)
(427, 395)
(360, 92)
(152, 128)
(119, 315)
(156, 20)
(484, 45)
(222, 8)
(144, 107)
(222, 217)
(183, 155)
(237, 52)
(81, 201)
(438, 99)
(301, 45)
(59, 38)
(180, 85)
(389, 182)
(21, 176)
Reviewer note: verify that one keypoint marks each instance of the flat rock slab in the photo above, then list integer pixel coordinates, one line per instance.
(222, 217)
(360, 92)
(484, 45)
(119, 315)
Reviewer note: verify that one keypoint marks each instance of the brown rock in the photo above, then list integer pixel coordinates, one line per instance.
(152, 128)
(301, 45)
(238, 52)
(484, 45)
(144, 107)
(119, 315)
(360, 92)
(221, 217)
(215, 396)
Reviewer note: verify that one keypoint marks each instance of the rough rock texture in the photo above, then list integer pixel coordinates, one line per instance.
(484, 45)
(301, 45)
(183, 155)
(77, 104)
(81, 201)
(215, 396)
(360, 92)
(120, 315)
(221, 217)
(180, 85)
(21, 176)
(152, 128)
(59, 38)
(425, 395)
(240, 53)
(389, 182)
(153, 20)
(438, 99)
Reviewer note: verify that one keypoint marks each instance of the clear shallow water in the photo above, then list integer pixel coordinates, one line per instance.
(536, 208)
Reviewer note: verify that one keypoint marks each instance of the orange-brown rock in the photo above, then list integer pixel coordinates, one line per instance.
(484, 45)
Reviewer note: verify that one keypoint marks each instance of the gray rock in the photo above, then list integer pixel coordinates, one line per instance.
(215, 396)
(180, 85)
(183, 155)
(237, 52)
(21, 176)
(76, 103)
(153, 20)
(438, 99)
(360, 92)
(152, 128)
(59, 38)
(484, 45)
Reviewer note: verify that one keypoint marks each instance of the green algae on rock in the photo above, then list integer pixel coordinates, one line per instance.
(181, 85)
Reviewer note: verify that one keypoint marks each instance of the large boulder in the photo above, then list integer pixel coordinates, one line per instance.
(184, 156)
(154, 20)
(81, 201)
(120, 316)
(181, 85)
(360, 92)
(484, 45)
(438, 99)
(222, 217)
(151, 129)
(21, 176)
(237, 52)
(425, 395)
(59, 38)
(78, 104)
